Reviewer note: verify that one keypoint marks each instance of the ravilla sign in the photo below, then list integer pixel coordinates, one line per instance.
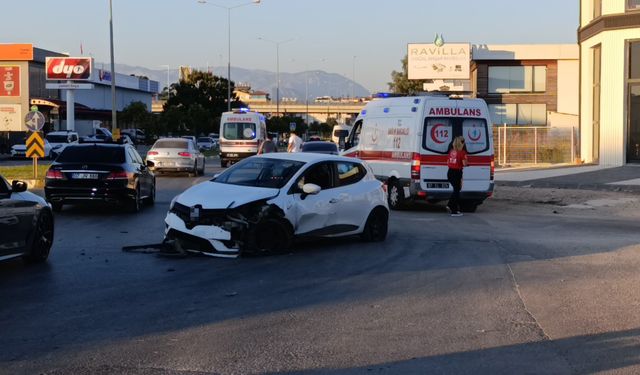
(438, 60)
(69, 68)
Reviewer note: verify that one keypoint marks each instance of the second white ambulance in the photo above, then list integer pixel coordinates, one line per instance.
(406, 140)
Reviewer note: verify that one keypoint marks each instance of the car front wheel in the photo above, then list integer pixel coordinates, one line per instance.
(376, 227)
(42, 238)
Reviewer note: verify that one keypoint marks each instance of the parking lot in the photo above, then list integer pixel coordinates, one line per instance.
(526, 284)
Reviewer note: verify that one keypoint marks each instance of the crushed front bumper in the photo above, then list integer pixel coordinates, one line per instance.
(205, 239)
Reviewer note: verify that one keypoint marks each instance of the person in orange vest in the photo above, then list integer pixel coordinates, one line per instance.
(456, 161)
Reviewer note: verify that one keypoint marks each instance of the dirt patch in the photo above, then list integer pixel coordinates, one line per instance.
(571, 201)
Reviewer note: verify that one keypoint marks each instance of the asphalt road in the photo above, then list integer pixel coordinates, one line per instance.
(512, 289)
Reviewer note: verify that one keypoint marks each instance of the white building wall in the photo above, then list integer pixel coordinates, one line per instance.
(100, 97)
(613, 102)
(568, 82)
(608, 7)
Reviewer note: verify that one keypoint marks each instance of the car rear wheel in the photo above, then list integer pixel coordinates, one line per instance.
(42, 238)
(194, 171)
(201, 172)
(376, 227)
(395, 197)
(468, 206)
(151, 199)
(134, 203)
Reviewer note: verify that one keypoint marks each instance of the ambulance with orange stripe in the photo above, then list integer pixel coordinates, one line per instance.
(406, 140)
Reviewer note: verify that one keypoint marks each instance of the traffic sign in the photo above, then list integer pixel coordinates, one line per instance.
(35, 146)
(34, 120)
(292, 126)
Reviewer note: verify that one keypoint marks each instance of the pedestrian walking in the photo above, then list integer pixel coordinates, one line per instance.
(456, 162)
(295, 143)
(267, 146)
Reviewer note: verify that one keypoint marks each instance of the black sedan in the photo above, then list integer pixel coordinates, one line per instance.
(320, 147)
(111, 173)
(26, 223)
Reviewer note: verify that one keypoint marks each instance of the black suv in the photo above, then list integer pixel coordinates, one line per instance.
(112, 173)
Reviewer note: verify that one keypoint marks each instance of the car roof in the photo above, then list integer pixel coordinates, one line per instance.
(306, 157)
(62, 132)
(320, 143)
(97, 144)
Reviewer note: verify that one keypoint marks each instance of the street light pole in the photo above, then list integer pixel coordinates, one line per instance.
(353, 78)
(229, 9)
(168, 79)
(277, 43)
(113, 71)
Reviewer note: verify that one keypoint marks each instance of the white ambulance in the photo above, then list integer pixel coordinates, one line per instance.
(406, 140)
(241, 133)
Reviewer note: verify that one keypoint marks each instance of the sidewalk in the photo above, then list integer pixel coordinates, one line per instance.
(588, 177)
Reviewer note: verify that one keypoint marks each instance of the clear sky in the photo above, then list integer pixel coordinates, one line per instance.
(327, 33)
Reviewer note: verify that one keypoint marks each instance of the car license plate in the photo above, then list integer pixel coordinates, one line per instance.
(438, 185)
(84, 176)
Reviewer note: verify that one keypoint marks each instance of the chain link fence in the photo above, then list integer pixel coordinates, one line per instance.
(534, 145)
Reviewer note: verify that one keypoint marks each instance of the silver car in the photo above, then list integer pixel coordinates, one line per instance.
(175, 155)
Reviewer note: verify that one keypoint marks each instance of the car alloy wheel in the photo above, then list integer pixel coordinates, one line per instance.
(396, 196)
(134, 204)
(377, 225)
(42, 238)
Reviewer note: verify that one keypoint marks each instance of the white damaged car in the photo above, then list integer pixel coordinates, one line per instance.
(263, 202)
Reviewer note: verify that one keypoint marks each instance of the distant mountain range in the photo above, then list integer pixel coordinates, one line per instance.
(292, 85)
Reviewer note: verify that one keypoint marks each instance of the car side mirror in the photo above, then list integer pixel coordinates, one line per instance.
(18, 186)
(150, 164)
(311, 189)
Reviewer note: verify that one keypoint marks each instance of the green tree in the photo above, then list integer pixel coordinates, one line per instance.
(400, 83)
(281, 124)
(197, 101)
(136, 115)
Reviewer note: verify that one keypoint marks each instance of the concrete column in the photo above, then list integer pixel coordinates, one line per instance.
(71, 110)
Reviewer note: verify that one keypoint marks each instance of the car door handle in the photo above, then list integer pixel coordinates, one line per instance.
(334, 200)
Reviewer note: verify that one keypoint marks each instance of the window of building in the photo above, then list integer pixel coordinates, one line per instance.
(634, 60)
(595, 116)
(633, 4)
(517, 79)
(519, 114)
(597, 8)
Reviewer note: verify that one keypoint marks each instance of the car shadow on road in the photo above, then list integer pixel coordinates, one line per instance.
(586, 354)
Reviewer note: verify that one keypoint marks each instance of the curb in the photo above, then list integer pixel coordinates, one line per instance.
(594, 187)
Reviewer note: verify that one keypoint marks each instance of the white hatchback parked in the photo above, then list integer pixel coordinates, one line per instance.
(263, 202)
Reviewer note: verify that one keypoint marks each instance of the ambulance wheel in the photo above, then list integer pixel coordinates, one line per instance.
(468, 206)
(395, 196)
(223, 163)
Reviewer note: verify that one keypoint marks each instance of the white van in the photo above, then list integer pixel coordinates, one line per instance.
(241, 133)
(406, 141)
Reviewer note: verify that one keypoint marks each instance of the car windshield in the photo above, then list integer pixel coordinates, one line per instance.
(171, 143)
(58, 138)
(319, 146)
(92, 154)
(239, 130)
(260, 172)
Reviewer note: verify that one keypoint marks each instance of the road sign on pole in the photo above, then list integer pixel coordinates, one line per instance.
(34, 120)
(35, 150)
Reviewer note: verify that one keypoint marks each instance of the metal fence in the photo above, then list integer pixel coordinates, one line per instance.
(534, 145)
